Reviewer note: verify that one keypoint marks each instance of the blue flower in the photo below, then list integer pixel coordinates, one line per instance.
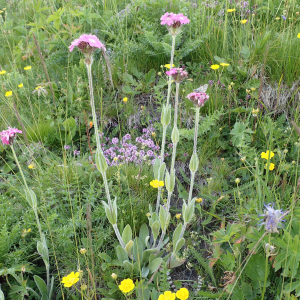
(272, 218)
(283, 17)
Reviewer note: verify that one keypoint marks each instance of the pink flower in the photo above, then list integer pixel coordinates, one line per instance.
(7, 136)
(178, 74)
(87, 43)
(174, 22)
(198, 98)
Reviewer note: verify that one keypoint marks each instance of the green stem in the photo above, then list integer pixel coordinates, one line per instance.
(171, 66)
(27, 188)
(89, 71)
(175, 125)
(266, 268)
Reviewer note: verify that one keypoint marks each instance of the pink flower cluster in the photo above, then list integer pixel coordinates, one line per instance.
(7, 136)
(172, 19)
(87, 43)
(174, 22)
(198, 98)
(178, 74)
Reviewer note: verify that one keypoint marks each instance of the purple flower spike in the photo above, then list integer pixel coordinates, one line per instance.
(76, 152)
(272, 218)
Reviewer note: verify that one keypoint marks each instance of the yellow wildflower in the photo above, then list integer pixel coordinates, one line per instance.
(31, 166)
(231, 10)
(27, 68)
(82, 251)
(169, 66)
(267, 154)
(2, 72)
(215, 67)
(277, 18)
(156, 184)
(125, 99)
(253, 89)
(153, 134)
(244, 21)
(126, 286)
(224, 64)
(199, 200)
(271, 166)
(20, 85)
(298, 36)
(182, 294)
(71, 279)
(1, 11)
(167, 296)
(8, 94)
(178, 216)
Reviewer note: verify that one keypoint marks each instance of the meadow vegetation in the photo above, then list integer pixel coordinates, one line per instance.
(150, 149)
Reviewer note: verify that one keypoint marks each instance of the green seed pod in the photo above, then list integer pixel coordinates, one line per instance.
(194, 163)
(101, 162)
(175, 135)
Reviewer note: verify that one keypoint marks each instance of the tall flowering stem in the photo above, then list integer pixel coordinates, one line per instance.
(171, 64)
(87, 45)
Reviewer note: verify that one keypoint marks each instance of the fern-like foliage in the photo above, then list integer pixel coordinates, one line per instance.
(8, 238)
(203, 263)
(204, 127)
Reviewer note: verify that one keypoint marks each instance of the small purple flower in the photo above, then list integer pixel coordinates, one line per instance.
(283, 17)
(67, 147)
(185, 154)
(272, 218)
(210, 82)
(79, 164)
(170, 145)
(150, 153)
(90, 158)
(127, 137)
(76, 152)
(115, 141)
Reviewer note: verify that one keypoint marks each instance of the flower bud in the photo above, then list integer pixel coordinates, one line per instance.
(194, 163)
(114, 276)
(175, 135)
(101, 162)
(237, 181)
(82, 250)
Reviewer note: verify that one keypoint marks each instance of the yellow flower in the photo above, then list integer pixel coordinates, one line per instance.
(243, 158)
(31, 166)
(169, 66)
(271, 166)
(3, 72)
(20, 85)
(167, 296)
(25, 232)
(298, 36)
(267, 154)
(224, 64)
(182, 294)
(178, 216)
(125, 99)
(8, 94)
(231, 10)
(27, 68)
(71, 279)
(244, 21)
(38, 87)
(115, 158)
(255, 112)
(148, 215)
(199, 200)
(215, 67)
(1, 11)
(153, 134)
(253, 89)
(82, 251)
(277, 18)
(126, 286)
(156, 184)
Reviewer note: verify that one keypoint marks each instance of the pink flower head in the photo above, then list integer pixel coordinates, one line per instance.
(87, 43)
(178, 74)
(198, 98)
(7, 136)
(174, 22)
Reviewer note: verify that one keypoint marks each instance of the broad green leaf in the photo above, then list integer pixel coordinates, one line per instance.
(40, 284)
(155, 264)
(127, 234)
